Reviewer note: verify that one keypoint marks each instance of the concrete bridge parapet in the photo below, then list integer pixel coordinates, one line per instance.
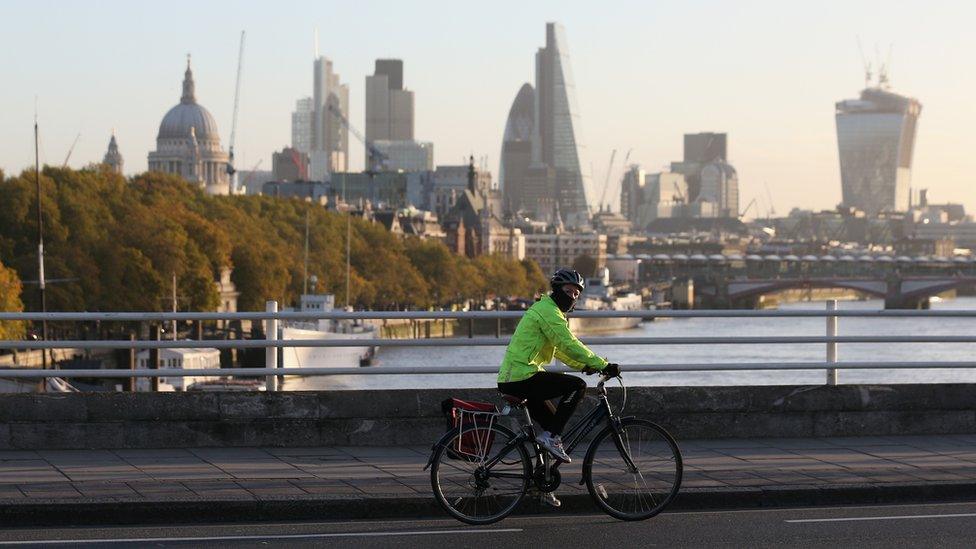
(410, 417)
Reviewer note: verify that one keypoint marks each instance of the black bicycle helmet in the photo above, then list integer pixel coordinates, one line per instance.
(566, 276)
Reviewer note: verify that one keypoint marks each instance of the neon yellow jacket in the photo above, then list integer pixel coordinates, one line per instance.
(543, 333)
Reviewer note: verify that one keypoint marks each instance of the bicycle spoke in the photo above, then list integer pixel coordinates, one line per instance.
(471, 491)
(637, 470)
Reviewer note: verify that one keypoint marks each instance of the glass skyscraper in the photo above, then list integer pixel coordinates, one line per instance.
(557, 118)
(516, 156)
(540, 162)
(876, 139)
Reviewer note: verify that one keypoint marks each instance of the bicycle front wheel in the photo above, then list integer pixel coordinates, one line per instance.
(480, 474)
(633, 474)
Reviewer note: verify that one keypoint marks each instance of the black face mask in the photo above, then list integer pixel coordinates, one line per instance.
(562, 299)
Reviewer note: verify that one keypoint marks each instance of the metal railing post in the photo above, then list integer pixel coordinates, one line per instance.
(271, 352)
(154, 358)
(831, 345)
(132, 362)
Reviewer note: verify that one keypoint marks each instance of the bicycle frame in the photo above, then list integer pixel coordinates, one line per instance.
(574, 436)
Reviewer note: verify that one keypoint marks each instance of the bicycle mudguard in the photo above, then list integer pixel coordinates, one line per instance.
(433, 449)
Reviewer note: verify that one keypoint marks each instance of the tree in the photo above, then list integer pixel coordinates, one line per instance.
(537, 281)
(10, 289)
(118, 242)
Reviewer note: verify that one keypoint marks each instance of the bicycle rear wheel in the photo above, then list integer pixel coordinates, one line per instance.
(633, 475)
(478, 476)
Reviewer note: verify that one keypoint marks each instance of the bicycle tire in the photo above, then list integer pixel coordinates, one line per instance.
(613, 470)
(465, 508)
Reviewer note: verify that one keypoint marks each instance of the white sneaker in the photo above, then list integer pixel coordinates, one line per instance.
(550, 499)
(554, 445)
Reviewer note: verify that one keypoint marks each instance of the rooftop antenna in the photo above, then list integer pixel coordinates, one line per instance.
(865, 63)
(315, 41)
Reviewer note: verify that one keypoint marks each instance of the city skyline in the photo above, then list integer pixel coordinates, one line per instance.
(632, 93)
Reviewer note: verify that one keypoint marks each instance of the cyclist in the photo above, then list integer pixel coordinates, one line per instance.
(542, 333)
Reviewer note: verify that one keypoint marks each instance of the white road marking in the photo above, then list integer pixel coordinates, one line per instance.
(269, 537)
(901, 517)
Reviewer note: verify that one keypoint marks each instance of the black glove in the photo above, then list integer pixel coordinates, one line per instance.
(611, 370)
(589, 371)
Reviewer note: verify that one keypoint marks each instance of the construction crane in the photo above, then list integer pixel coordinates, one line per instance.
(251, 174)
(772, 209)
(745, 211)
(233, 126)
(296, 157)
(378, 157)
(677, 191)
(606, 181)
(70, 150)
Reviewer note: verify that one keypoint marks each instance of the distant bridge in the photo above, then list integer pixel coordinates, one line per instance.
(738, 281)
(897, 292)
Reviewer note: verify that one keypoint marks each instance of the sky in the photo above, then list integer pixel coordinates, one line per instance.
(646, 72)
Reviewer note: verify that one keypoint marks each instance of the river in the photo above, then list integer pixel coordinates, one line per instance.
(717, 327)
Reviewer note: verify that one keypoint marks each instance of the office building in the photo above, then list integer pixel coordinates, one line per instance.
(645, 197)
(552, 251)
(516, 155)
(876, 140)
(301, 125)
(290, 165)
(700, 149)
(719, 183)
(556, 126)
(540, 160)
(407, 156)
(389, 107)
(450, 182)
(311, 191)
(330, 137)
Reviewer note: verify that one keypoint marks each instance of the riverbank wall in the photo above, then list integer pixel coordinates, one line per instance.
(410, 417)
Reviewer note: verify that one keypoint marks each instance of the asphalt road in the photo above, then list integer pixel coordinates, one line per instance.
(937, 525)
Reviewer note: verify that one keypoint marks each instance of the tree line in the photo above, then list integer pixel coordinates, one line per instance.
(115, 244)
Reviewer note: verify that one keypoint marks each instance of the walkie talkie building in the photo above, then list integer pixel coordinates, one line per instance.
(876, 139)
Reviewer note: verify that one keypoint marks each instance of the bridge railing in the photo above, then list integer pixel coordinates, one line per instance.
(272, 344)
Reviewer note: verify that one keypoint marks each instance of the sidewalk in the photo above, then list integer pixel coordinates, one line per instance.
(66, 486)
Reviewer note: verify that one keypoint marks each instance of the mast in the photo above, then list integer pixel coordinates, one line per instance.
(305, 272)
(40, 236)
(348, 237)
(174, 305)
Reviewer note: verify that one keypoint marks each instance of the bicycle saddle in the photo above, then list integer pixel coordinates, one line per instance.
(513, 400)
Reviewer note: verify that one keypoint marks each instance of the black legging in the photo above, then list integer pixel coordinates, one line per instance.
(540, 388)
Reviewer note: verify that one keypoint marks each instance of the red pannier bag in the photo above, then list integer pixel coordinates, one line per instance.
(463, 415)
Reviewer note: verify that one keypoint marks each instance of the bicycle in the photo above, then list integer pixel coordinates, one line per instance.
(480, 473)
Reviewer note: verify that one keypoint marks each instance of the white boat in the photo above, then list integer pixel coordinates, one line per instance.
(179, 358)
(600, 295)
(324, 329)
